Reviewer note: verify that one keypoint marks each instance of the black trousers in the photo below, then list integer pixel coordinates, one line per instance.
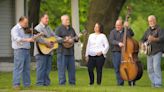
(98, 62)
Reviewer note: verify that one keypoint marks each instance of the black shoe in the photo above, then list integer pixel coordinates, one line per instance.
(72, 84)
(91, 83)
(121, 84)
(131, 83)
(98, 83)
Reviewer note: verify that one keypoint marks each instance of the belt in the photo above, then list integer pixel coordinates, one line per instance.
(23, 49)
(96, 56)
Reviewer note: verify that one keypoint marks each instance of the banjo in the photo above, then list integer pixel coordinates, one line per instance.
(146, 48)
(69, 41)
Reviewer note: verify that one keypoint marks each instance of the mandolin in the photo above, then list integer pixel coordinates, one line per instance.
(70, 41)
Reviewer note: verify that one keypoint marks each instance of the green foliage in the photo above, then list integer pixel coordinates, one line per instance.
(139, 25)
(56, 8)
(83, 13)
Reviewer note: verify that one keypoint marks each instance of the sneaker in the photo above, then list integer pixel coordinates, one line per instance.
(16, 87)
(28, 86)
(157, 86)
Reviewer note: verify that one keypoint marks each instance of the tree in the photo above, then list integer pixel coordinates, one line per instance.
(34, 10)
(105, 12)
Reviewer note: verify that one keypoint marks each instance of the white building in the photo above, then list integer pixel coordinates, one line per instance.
(10, 11)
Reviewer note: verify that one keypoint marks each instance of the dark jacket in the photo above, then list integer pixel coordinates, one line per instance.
(62, 32)
(157, 46)
(116, 36)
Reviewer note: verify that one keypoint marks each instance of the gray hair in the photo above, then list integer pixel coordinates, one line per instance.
(152, 17)
(65, 15)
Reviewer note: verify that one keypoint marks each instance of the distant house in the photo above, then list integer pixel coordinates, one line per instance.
(10, 11)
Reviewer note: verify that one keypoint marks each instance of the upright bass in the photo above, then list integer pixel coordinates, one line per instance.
(130, 68)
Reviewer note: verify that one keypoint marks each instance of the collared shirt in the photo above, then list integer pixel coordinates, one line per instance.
(47, 33)
(62, 32)
(97, 43)
(17, 34)
(117, 36)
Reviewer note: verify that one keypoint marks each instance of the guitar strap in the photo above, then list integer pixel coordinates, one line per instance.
(157, 29)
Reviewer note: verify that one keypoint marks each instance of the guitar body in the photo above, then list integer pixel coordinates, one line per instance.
(46, 50)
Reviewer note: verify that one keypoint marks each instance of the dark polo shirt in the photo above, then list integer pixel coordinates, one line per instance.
(62, 32)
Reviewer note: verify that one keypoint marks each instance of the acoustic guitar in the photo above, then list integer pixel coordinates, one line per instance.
(46, 50)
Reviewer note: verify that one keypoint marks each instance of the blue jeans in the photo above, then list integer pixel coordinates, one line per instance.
(66, 62)
(43, 68)
(116, 59)
(21, 67)
(154, 69)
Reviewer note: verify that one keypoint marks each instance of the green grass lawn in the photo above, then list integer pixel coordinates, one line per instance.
(82, 83)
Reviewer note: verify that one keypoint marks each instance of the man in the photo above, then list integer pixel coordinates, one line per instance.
(116, 42)
(65, 56)
(155, 36)
(43, 61)
(21, 47)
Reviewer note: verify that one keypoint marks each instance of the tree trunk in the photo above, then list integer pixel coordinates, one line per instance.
(33, 13)
(34, 9)
(105, 12)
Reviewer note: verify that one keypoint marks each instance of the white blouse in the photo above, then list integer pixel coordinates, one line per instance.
(97, 43)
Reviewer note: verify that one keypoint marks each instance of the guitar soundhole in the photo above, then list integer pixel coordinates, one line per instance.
(51, 42)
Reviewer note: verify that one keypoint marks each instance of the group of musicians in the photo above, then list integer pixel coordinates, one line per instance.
(96, 50)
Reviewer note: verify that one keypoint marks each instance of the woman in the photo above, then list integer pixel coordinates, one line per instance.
(96, 50)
